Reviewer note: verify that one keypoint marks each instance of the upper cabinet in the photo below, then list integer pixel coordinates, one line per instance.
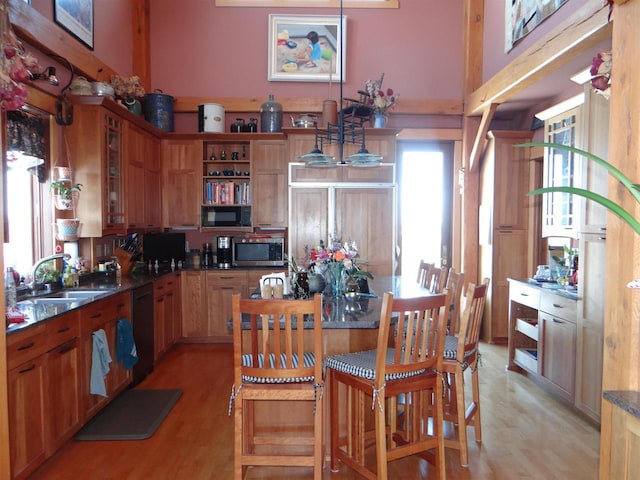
(270, 183)
(181, 175)
(116, 158)
(96, 143)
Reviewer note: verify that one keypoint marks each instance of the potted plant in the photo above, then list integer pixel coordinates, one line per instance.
(64, 194)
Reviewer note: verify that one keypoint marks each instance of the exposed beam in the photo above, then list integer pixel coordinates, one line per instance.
(481, 137)
(587, 27)
(141, 41)
(47, 37)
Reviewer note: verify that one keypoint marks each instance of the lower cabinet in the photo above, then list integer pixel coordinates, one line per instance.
(44, 398)
(558, 339)
(206, 301)
(103, 314)
(166, 313)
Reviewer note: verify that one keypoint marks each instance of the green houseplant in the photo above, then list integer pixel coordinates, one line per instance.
(633, 188)
(64, 194)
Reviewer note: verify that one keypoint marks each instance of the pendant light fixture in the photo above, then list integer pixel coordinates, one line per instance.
(349, 129)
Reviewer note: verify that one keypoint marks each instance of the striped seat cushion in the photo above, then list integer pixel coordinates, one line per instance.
(363, 365)
(451, 350)
(308, 361)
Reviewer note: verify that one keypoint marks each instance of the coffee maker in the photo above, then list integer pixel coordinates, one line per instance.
(224, 252)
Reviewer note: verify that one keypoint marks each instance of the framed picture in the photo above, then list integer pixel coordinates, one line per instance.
(307, 48)
(76, 17)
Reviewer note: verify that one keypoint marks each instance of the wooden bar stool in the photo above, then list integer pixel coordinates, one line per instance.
(374, 378)
(275, 366)
(461, 354)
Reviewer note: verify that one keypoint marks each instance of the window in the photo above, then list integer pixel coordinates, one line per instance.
(27, 208)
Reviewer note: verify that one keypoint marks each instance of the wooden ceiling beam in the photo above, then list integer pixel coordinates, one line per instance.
(481, 137)
(587, 27)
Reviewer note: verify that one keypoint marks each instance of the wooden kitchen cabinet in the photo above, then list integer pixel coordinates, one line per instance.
(26, 399)
(558, 339)
(102, 314)
(96, 150)
(144, 179)
(195, 320)
(270, 183)
(506, 242)
(44, 406)
(590, 323)
(166, 313)
(181, 180)
(220, 286)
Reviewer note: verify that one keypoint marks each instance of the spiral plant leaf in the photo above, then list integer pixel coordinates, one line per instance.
(613, 207)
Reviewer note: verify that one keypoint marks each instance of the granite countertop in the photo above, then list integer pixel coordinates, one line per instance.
(103, 283)
(627, 400)
(364, 313)
(551, 287)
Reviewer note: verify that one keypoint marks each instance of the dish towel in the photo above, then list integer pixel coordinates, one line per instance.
(100, 360)
(126, 353)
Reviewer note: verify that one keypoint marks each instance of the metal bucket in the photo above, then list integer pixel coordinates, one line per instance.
(158, 110)
(210, 118)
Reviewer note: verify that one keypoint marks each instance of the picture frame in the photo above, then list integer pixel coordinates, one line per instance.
(297, 55)
(76, 17)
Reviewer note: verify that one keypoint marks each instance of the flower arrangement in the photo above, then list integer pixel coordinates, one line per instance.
(381, 101)
(15, 65)
(601, 74)
(126, 87)
(337, 263)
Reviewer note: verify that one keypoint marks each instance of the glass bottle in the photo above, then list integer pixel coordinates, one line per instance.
(270, 116)
(9, 289)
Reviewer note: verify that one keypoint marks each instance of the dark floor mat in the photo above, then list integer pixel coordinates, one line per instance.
(133, 415)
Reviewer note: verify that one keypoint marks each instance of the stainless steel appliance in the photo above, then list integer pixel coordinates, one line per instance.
(225, 256)
(258, 251)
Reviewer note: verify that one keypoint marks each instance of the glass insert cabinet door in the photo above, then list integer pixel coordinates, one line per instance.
(114, 198)
(560, 210)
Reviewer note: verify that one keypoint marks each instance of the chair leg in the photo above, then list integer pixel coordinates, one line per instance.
(462, 423)
(438, 430)
(381, 438)
(318, 450)
(476, 401)
(238, 440)
(335, 419)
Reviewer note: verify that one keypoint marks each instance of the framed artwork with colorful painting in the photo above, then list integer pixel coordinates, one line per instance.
(76, 17)
(307, 48)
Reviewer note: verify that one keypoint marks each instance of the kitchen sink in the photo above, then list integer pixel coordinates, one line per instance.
(74, 294)
(52, 301)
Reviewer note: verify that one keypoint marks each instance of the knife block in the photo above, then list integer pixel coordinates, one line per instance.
(124, 259)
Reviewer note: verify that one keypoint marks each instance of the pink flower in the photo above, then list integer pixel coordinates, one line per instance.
(600, 82)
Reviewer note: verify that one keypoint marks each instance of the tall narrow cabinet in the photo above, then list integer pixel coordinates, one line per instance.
(505, 212)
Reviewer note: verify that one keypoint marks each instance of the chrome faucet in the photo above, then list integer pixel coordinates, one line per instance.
(34, 270)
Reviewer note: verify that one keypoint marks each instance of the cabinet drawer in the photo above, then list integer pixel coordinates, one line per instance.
(96, 314)
(62, 328)
(527, 358)
(524, 294)
(559, 306)
(226, 279)
(381, 174)
(528, 326)
(302, 173)
(26, 345)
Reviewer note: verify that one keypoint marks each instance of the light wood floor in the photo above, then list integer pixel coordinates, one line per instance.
(526, 433)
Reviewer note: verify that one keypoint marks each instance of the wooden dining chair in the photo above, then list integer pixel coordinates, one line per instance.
(272, 363)
(455, 285)
(411, 368)
(461, 354)
(423, 272)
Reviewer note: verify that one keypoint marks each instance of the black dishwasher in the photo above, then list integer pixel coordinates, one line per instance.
(142, 318)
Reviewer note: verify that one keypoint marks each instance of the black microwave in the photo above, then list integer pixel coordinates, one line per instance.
(258, 251)
(226, 216)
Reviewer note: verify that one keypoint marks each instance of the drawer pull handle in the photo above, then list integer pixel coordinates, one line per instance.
(120, 305)
(226, 288)
(96, 315)
(64, 329)
(27, 346)
(28, 369)
(557, 306)
(226, 278)
(65, 348)
(555, 320)
(524, 294)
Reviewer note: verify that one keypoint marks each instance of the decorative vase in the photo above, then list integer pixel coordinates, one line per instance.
(301, 286)
(379, 120)
(68, 229)
(133, 105)
(65, 203)
(335, 270)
